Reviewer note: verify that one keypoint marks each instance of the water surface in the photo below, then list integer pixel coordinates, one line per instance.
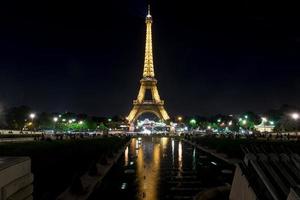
(155, 168)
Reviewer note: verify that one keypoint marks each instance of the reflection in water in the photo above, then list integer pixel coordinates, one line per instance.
(173, 153)
(179, 156)
(137, 147)
(148, 167)
(126, 153)
(194, 158)
(161, 168)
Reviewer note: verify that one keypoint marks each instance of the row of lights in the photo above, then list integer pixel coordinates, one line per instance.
(294, 116)
(55, 119)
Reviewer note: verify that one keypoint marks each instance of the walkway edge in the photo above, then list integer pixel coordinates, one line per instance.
(89, 182)
(209, 151)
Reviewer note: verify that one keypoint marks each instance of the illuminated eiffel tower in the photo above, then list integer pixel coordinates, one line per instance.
(148, 82)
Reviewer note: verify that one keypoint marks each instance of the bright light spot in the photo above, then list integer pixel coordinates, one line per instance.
(80, 122)
(146, 131)
(264, 119)
(55, 119)
(193, 121)
(63, 120)
(179, 118)
(214, 163)
(244, 122)
(230, 123)
(295, 116)
(208, 127)
(271, 122)
(32, 115)
(219, 120)
(131, 163)
(70, 121)
(123, 186)
(246, 116)
(180, 155)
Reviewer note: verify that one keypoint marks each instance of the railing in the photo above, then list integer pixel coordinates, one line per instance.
(149, 102)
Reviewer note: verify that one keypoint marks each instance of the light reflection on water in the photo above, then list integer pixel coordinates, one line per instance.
(126, 155)
(161, 168)
(173, 151)
(148, 167)
(194, 159)
(179, 156)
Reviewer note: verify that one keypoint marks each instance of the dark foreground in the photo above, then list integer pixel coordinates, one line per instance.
(55, 164)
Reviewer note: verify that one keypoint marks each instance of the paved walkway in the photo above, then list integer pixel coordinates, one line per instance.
(7, 140)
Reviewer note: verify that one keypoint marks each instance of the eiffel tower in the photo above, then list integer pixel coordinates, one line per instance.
(148, 82)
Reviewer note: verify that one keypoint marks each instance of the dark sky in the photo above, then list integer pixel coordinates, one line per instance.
(210, 56)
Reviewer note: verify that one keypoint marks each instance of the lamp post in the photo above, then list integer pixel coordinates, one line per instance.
(55, 119)
(32, 116)
(295, 116)
(179, 119)
(80, 124)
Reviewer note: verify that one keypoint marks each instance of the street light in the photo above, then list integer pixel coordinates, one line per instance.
(55, 119)
(193, 121)
(32, 116)
(80, 122)
(179, 118)
(295, 116)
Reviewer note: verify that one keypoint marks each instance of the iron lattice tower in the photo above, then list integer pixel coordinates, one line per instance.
(148, 82)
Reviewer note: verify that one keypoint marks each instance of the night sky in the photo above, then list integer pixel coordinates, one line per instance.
(209, 56)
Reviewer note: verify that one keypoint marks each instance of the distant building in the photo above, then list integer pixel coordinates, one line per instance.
(264, 128)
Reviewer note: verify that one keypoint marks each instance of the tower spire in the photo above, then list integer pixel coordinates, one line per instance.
(148, 62)
(149, 10)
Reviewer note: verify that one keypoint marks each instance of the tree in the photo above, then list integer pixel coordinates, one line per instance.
(16, 117)
(45, 121)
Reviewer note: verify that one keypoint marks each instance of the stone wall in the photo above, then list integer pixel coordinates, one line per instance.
(16, 178)
(240, 188)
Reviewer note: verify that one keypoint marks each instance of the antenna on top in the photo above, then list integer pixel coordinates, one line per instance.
(149, 9)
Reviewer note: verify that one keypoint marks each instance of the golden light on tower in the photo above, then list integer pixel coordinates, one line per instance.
(148, 82)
